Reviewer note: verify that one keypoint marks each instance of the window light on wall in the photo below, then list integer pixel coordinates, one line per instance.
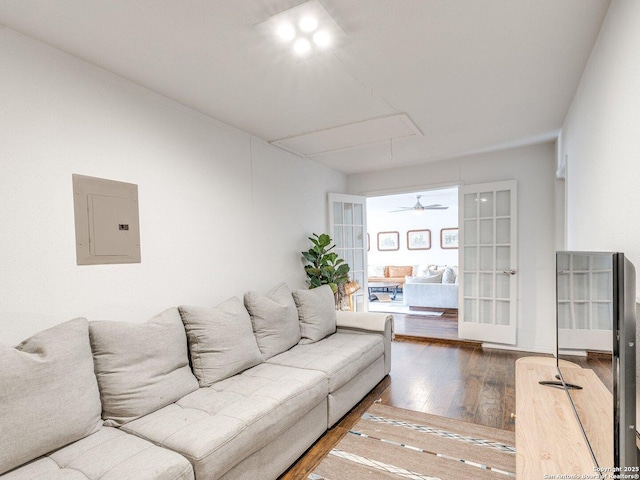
(304, 30)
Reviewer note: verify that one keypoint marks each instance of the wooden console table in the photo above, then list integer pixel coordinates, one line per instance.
(549, 441)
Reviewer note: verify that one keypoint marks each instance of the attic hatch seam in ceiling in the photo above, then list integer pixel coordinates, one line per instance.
(373, 131)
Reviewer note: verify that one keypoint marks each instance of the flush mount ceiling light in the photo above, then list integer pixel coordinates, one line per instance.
(304, 30)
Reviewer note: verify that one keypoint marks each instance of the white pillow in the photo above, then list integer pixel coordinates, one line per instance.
(449, 276)
(317, 313)
(434, 278)
(221, 340)
(141, 367)
(48, 393)
(375, 270)
(275, 320)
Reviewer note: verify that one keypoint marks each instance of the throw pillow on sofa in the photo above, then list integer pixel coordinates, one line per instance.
(395, 272)
(449, 276)
(434, 278)
(221, 340)
(317, 313)
(141, 367)
(275, 320)
(49, 395)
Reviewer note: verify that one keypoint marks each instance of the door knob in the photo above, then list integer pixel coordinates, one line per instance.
(509, 272)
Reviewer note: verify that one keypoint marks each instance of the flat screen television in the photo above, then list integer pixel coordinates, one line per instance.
(596, 328)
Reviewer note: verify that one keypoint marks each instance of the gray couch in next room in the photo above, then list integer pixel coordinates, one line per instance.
(237, 391)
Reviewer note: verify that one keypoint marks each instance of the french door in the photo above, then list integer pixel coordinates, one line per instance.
(347, 220)
(488, 242)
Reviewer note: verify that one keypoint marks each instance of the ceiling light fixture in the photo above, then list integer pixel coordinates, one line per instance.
(308, 24)
(301, 46)
(322, 39)
(305, 29)
(286, 32)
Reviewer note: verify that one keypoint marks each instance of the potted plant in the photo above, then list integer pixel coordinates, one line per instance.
(325, 267)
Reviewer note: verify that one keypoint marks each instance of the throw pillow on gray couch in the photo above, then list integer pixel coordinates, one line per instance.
(141, 367)
(317, 313)
(275, 320)
(221, 340)
(49, 396)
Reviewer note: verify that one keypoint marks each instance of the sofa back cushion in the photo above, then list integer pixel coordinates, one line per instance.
(395, 272)
(48, 393)
(141, 367)
(376, 270)
(221, 340)
(317, 313)
(449, 275)
(275, 320)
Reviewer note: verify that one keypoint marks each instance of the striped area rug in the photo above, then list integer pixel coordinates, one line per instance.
(392, 443)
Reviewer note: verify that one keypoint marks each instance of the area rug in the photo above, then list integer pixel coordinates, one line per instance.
(392, 443)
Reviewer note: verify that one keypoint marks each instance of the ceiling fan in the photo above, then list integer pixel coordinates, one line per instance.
(418, 207)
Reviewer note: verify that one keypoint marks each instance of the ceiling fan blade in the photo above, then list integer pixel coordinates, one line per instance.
(435, 206)
(402, 209)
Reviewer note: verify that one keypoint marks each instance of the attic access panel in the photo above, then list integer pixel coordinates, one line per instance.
(106, 220)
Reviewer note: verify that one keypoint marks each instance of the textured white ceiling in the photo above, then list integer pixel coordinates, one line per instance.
(473, 75)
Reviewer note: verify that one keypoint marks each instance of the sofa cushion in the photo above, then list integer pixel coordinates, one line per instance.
(275, 320)
(449, 275)
(375, 270)
(317, 313)
(48, 393)
(221, 340)
(219, 426)
(341, 356)
(433, 278)
(109, 454)
(140, 367)
(403, 271)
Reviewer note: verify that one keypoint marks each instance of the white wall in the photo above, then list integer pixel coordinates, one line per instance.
(601, 138)
(402, 222)
(534, 169)
(220, 212)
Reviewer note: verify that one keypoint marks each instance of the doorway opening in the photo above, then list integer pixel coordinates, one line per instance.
(412, 261)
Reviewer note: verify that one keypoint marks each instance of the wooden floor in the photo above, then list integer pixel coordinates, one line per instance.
(456, 381)
(443, 327)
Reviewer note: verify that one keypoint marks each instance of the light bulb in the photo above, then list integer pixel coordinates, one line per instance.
(321, 38)
(301, 46)
(286, 32)
(308, 24)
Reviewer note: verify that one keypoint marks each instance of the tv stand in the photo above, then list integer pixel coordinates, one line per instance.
(549, 438)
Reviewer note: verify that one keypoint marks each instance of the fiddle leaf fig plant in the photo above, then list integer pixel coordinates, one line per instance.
(325, 267)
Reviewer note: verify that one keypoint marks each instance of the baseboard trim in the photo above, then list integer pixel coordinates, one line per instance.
(449, 341)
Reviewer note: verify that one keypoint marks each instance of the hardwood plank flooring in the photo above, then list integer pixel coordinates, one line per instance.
(455, 380)
(444, 327)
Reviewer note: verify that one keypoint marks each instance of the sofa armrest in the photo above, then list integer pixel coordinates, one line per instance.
(369, 323)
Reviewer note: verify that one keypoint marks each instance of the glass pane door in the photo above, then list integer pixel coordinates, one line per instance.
(347, 220)
(487, 309)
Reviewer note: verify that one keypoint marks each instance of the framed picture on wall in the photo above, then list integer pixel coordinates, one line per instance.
(419, 239)
(388, 241)
(449, 238)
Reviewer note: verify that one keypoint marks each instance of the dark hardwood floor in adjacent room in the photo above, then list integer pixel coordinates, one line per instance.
(441, 327)
(456, 381)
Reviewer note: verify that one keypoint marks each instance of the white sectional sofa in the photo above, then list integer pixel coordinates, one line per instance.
(437, 289)
(233, 392)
